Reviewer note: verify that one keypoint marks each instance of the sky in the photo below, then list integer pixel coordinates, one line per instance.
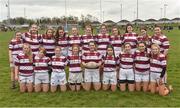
(111, 9)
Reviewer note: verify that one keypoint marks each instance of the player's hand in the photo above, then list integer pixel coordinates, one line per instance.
(160, 81)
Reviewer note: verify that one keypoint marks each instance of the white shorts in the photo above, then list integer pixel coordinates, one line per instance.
(91, 75)
(155, 77)
(58, 78)
(139, 77)
(109, 78)
(25, 79)
(126, 74)
(41, 78)
(75, 77)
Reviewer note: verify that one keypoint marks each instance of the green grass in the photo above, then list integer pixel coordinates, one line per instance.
(9, 97)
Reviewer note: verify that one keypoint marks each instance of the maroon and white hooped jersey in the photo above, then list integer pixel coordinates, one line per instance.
(141, 62)
(16, 46)
(145, 39)
(33, 41)
(126, 61)
(41, 64)
(91, 57)
(58, 63)
(110, 63)
(48, 44)
(157, 63)
(102, 41)
(85, 41)
(116, 42)
(162, 41)
(24, 64)
(130, 38)
(62, 42)
(74, 63)
(74, 40)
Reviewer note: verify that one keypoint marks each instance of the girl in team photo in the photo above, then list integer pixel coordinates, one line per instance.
(141, 67)
(144, 37)
(24, 69)
(33, 38)
(110, 69)
(15, 48)
(158, 64)
(130, 37)
(87, 37)
(41, 69)
(58, 75)
(91, 61)
(62, 40)
(75, 72)
(48, 42)
(74, 38)
(116, 40)
(126, 71)
(103, 39)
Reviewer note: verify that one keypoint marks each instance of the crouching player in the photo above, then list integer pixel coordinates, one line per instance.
(126, 72)
(41, 68)
(110, 69)
(91, 60)
(24, 69)
(75, 71)
(157, 69)
(141, 67)
(58, 76)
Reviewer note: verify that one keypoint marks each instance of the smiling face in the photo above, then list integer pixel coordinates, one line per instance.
(155, 50)
(18, 35)
(34, 29)
(92, 46)
(88, 31)
(75, 50)
(41, 54)
(61, 33)
(49, 32)
(129, 29)
(115, 31)
(57, 51)
(143, 32)
(110, 51)
(127, 48)
(74, 31)
(103, 30)
(26, 48)
(157, 30)
(141, 47)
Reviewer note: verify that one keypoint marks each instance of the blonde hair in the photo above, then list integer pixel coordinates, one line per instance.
(29, 53)
(157, 46)
(42, 49)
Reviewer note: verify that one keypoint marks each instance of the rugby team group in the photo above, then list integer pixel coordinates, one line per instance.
(60, 60)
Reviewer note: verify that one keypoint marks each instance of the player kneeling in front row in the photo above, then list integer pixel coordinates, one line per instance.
(110, 69)
(141, 67)
(24, 69)
(58, 76)
(157, 71)
(126, 72)
(41, 68)
(75, 71)
(91, 60)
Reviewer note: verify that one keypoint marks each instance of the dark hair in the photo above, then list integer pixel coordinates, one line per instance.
(57, 33)
(127, 27)
(110, 46)
(93, 43)
(53, 37)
